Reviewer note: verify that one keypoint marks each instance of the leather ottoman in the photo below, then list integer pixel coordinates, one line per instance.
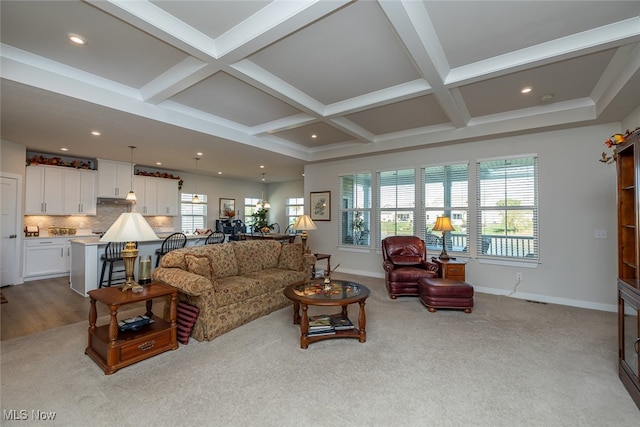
(445, 293)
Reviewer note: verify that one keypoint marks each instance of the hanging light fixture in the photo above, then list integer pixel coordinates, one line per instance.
(196, 199)
(263, 204)
(131, 196)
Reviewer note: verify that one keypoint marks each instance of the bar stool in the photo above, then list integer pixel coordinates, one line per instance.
(215, 237)
(173, 242)
(112, 254)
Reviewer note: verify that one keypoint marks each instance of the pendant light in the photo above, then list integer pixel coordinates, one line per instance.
(263, 204)
(131, 196)
(196, 199)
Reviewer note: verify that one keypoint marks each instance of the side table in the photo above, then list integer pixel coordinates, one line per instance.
(450, 269)
(113, 349)
(318, 258)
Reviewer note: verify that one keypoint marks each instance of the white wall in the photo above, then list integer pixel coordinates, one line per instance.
(577, 195)
(632, 121)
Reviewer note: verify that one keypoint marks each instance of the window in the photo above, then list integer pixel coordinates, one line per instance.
(396, 201)
(508, 208)
(193, 215)
(355, 209)
(249, 209)
(446, 192)
(294, 207)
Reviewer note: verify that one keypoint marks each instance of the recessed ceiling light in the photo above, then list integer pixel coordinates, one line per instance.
(159, 163)
(76, 39)
(526, 89)
(64, 149)
(198, 154)
(261, 166)
(219, 172)
(95, 133)
(546, 97)
(314, 136)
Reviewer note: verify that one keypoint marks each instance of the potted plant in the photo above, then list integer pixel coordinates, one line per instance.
(260, 221)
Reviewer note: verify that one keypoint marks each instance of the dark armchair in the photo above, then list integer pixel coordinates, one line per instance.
(405, 262)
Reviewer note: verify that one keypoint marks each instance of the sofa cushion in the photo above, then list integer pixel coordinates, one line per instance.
(276, 279)
(174, 259)
(291, 257)
(200, 265)
(223, 260)
(248, 253)
(271, 254)
(234, 289)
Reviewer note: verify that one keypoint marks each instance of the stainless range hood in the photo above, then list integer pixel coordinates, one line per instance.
(114, 201)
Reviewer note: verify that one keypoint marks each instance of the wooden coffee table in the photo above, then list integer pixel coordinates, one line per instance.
(113, 349)
(341, 293)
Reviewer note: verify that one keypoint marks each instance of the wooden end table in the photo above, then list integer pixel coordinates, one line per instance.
(450, 268)
(342, 294)
(113, 349)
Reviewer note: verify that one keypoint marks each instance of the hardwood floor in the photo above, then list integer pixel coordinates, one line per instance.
(44, 304)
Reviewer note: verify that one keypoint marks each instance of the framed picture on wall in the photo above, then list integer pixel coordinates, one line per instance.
(227, 208)
(320, 209)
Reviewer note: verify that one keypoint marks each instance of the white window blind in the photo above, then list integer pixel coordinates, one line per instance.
(396, 203)
(446, 192)
(508, 208)
(354, 213)
(193, 215)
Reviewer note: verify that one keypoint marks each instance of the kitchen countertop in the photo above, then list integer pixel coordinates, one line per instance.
(90, 240)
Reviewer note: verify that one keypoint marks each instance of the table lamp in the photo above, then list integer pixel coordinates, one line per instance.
(443, 223)
(304, 223)
(130, 227)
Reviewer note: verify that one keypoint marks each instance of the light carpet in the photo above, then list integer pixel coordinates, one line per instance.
(509, 363)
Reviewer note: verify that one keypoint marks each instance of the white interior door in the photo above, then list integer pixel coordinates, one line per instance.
(8, 231)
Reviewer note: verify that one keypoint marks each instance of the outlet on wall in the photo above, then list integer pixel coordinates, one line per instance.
(519, 275)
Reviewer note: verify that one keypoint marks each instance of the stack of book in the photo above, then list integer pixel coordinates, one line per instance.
(320, 325)
(328, 325)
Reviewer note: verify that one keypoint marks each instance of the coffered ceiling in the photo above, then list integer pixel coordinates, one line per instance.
(286, 82)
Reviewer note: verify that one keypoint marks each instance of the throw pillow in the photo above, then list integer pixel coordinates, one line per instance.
(186, 320)
(200, 265)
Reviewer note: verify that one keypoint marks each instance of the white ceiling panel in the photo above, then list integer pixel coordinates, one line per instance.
(248, 82)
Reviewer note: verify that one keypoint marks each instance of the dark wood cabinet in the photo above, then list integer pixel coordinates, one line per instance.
(628, 168)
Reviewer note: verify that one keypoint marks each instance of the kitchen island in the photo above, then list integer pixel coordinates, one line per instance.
(86, 265)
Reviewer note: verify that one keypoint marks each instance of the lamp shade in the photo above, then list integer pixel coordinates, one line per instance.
(304, 222)
(129, 227)
(443, 223)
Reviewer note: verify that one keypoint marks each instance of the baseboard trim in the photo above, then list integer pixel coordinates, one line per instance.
(518, 295)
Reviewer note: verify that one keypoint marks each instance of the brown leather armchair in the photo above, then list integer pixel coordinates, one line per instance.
(405, 262)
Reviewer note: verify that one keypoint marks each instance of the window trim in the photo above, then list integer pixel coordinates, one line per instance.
(523, 261)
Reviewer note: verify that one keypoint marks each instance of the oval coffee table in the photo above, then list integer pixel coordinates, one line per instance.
(338, 293)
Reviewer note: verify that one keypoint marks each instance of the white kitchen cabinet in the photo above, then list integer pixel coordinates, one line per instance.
(79, 192)
(156, 196)
(146, 189)
(114, 179)
(168, 197)
(46, 258)
(44, 190)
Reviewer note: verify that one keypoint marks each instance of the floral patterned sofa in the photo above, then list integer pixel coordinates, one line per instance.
(234, 283)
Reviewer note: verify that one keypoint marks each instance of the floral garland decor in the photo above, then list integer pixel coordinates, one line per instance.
(612, 144)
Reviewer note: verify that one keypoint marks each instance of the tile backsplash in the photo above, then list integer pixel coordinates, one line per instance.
(105, 216)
